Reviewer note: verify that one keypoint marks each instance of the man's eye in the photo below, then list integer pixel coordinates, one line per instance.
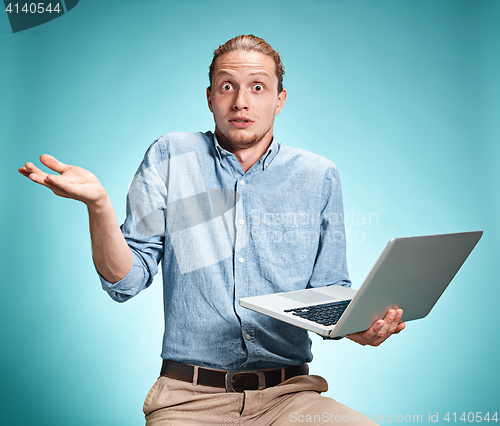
(226, 86)
(258, 87)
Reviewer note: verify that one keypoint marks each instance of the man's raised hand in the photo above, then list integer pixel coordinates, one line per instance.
(71, 182)
(112, 255)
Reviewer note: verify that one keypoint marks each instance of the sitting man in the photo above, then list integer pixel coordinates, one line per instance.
(230, 214)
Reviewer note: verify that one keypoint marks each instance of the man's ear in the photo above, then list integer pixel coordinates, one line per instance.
(209, 100)
(281, 102)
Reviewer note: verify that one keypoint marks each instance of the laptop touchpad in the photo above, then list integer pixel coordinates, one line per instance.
(309, 296)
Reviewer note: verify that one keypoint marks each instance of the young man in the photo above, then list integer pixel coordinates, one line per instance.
(230, 214)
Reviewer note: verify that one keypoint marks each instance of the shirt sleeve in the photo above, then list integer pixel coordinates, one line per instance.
(330, 266)
(144, 226)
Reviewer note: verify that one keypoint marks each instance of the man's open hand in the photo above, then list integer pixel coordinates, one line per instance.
(72, 181)
(380, 330)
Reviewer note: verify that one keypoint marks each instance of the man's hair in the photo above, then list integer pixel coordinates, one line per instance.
(249, 43)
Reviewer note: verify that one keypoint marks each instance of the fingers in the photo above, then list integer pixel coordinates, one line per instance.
(31, 168)
(55, 183)
(36, 175)
(395, 324)
(374, 330)
(23, 171)
(394, 316)
(59, 182)
(32, 172)
(401, 326)
(382, 329)
(391, 321)
(57, 189)
(53, 164)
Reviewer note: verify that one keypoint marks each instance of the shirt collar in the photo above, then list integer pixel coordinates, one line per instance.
(265, 160)
(270, 153)
(218, 149)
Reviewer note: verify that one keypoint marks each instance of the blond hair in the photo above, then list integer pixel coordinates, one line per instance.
(249, 43)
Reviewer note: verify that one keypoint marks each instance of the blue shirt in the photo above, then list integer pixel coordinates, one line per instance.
(223, 234)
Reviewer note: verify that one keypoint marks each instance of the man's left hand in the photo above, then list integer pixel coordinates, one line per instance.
(380, 330)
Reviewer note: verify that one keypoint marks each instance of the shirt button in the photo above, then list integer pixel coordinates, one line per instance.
(241, 221)
(244, 366)
(241, 260)
(267, 164)
(242, 182)
(248, 336)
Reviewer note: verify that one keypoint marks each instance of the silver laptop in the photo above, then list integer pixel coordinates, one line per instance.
(411, 274)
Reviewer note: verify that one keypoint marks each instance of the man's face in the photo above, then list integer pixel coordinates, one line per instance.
(244, 98)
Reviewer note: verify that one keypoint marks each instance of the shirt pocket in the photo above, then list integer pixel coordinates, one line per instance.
(284, 247)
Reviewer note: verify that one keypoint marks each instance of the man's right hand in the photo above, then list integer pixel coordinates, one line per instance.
(72, 182)
(112, 255)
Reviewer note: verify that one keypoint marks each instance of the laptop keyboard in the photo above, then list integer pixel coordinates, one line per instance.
(326, 314)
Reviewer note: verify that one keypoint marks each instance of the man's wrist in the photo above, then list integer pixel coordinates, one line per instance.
(99, 205)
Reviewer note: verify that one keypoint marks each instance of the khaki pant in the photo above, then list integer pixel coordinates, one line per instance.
(295, 401)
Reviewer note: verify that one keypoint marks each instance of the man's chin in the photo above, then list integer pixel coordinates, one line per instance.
(241, 140)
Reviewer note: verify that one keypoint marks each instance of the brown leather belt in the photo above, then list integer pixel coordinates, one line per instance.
(232, 380)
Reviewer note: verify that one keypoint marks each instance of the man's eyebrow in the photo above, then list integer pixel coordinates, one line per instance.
(266, 73)
(223, 73)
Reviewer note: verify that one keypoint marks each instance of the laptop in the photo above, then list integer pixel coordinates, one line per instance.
(411, 274)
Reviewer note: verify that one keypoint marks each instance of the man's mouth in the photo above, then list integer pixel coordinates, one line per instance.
(240, 119)
(240, 122)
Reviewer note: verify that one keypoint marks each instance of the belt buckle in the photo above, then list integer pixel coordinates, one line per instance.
(230, 374)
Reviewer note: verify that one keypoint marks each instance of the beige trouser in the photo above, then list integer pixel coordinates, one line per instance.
(295, 401)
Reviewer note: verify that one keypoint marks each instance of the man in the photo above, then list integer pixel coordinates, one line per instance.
(230, 214)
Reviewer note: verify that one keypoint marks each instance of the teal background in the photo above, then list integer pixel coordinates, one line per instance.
(402, 95)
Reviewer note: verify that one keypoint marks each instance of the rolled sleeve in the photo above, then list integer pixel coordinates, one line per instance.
(137, 279)
(144, 227)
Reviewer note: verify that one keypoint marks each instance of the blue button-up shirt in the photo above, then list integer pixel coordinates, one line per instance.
(223, 234)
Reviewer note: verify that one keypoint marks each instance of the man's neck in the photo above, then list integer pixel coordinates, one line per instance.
(247, 156)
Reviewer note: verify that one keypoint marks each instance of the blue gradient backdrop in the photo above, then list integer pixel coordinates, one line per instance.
(402, 95)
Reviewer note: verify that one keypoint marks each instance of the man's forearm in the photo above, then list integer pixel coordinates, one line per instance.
(112, 255)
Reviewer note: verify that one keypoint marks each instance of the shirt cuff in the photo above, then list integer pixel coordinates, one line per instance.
(129, 285)
(332, 338)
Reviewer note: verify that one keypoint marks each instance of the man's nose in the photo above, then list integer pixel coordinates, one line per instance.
(241, 100)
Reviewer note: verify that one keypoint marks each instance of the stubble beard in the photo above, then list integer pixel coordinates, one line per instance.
(241, 142)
